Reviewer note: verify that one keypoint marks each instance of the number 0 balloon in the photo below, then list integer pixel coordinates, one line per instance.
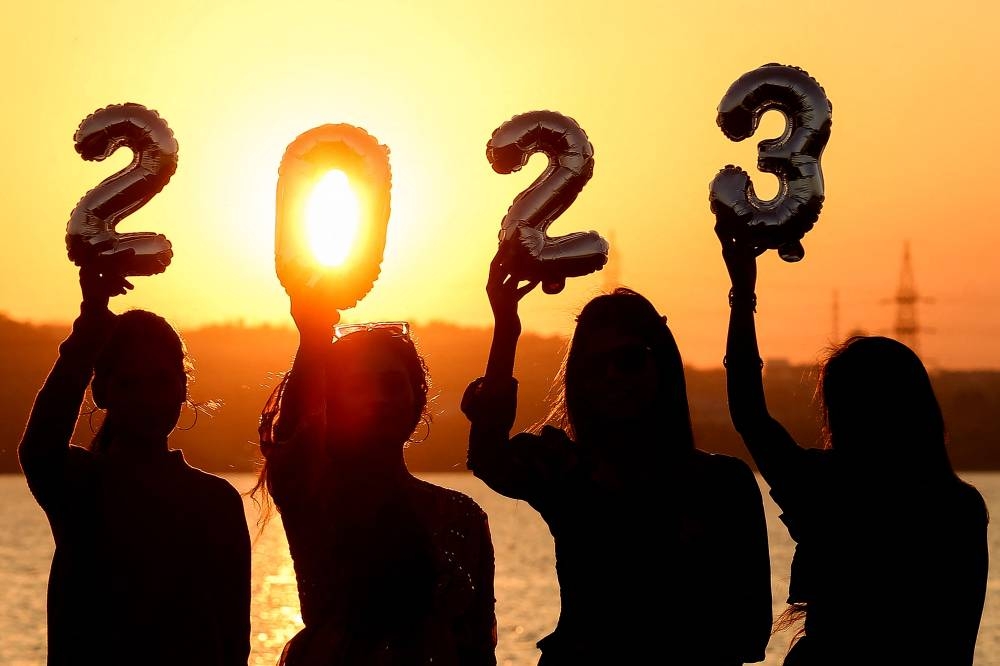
(365, 179)
(794, 158)
(535, 255)
(91, 233)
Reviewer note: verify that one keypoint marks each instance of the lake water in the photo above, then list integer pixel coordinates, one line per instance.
(526, 590)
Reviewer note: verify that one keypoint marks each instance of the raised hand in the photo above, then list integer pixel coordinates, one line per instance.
(311, 308)
(503, 290)
(740, 254)
(98, 285)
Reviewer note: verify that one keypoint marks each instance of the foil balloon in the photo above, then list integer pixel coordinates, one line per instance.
(91, 234)
(794, 158)
(363, 164)
(533, 255)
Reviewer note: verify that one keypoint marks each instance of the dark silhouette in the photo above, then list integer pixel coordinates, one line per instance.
(391, 570)
(661, 548)
(891, 555)
(152, 557)
(236, 367)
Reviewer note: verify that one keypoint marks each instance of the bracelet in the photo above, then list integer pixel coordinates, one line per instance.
(725, 361)
(742, 298)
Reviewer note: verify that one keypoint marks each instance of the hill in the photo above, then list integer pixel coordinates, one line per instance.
(238, 366)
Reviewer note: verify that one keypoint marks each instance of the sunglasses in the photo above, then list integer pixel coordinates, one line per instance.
(400, 329)
(627, 359)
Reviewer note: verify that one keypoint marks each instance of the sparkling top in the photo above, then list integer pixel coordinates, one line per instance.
(403, 576)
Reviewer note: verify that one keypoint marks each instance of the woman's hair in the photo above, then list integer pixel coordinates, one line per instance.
(382, 341)
(631, 313)
(873, 392)
(137, 333)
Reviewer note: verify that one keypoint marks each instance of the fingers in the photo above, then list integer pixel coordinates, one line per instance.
(521, 291)
(500, 278)
(497, 273)
(737, 243)
(121, 286)
(97, 282)
(504, 284)
(499, 260)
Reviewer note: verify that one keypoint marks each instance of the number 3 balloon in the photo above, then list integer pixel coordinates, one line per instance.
(794, 158)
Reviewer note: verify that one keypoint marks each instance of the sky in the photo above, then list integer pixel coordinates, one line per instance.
(911, 158)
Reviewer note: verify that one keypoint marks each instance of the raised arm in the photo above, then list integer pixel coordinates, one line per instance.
(504, 294)
(490, 402)
(771, 447)
(45, 443)
(292, 443)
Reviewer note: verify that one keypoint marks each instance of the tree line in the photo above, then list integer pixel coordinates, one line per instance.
(237, 366)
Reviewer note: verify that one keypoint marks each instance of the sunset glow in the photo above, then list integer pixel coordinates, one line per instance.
(333, 216)
(910, 157)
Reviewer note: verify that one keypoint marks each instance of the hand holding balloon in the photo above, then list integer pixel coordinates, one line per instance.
(91, 234)
(311, 311)
(794, 158)
(531, 254)
(98, 287)
(505, 292)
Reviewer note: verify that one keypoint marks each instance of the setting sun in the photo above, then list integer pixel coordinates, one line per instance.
(325, 165)
(333, 215)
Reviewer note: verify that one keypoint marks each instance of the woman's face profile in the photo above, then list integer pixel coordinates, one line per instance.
(373, 399)
(618, 374)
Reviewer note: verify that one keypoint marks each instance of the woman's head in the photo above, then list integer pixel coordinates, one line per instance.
(624, 369)
(376, 392)
(377, 385)
(140, 378)
(874, 392)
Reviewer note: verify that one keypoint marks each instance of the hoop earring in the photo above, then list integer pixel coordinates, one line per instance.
(427, 431)
(194, 408)
(90, 419)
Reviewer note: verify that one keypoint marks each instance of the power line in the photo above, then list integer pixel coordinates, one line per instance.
(907, 328)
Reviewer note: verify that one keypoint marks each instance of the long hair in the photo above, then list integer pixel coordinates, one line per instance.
(136, 333)
(874, 392)
(401, 347)
(630, 312)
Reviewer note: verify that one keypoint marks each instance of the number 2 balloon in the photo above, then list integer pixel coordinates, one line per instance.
(91, 233)
(533, 254)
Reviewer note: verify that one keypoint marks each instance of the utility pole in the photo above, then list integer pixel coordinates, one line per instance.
(907, 328)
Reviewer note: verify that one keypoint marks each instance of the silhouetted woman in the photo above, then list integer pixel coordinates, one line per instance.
(390, 569)
(891, 556)
(152, 556)
(661, 548)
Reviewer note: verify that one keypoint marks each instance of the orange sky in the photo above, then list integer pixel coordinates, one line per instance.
(912, 154)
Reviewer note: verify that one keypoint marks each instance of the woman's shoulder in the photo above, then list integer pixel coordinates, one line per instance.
(208, 485)
(449, 502)
(971, 502)
(721, 464)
